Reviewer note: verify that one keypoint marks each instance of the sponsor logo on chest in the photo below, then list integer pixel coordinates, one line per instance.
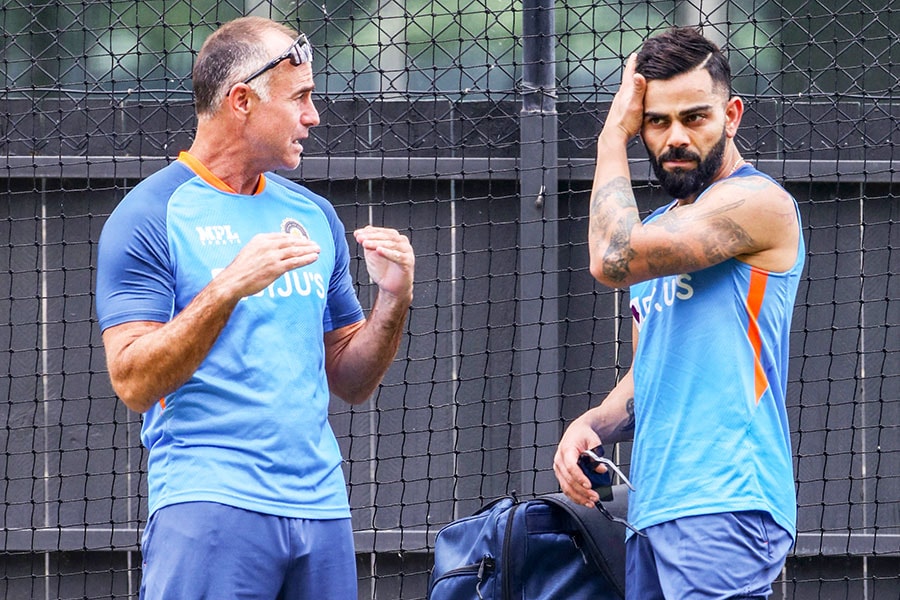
(669, 291)
(217, 235)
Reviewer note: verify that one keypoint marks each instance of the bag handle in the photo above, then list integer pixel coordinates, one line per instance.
(604, 539)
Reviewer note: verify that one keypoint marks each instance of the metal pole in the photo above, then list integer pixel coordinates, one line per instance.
(536, 408)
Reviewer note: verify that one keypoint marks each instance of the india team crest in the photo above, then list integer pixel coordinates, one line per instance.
(294, 227)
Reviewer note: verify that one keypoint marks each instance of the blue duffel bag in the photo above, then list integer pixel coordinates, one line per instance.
(544, 548)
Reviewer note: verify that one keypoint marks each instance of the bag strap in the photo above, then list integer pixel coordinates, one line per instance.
(604, 539)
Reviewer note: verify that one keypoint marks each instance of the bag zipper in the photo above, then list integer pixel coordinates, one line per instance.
(507, 536)
(482, 569)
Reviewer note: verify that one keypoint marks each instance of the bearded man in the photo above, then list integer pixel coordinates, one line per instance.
(713, 277)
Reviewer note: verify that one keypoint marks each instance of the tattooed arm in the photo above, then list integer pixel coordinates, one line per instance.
(610, 422)
(749, 218)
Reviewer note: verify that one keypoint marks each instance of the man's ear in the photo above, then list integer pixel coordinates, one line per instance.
(734, 111)
(239, 99)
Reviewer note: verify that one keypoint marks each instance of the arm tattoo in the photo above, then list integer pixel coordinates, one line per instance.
(628, 425)
(673, 221)
(618, 193)
(619, 253)
(608, 222)
(726, 239)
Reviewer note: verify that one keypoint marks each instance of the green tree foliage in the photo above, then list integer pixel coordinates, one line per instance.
(454, 48)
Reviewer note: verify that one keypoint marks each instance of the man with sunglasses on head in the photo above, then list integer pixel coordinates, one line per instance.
(229, 317)
(713, 276)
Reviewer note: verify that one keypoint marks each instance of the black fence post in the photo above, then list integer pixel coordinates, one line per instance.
(537, 407)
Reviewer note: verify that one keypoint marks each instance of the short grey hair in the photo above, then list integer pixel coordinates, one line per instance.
(228, 56)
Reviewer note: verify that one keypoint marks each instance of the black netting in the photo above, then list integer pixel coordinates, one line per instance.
(433, 123)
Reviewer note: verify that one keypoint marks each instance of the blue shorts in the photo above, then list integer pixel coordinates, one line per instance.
(206, 550)
(723, 556)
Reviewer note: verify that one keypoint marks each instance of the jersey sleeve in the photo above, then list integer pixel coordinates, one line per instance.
(343, 306)
(135, 280)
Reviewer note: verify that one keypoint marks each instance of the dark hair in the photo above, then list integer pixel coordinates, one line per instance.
(681, 50)
(228, 55)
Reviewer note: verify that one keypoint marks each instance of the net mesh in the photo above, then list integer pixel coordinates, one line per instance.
(423, 129)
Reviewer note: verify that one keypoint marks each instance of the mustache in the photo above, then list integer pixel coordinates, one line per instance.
(678, 154)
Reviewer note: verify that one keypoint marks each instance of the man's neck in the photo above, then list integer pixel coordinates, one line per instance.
(223, 155)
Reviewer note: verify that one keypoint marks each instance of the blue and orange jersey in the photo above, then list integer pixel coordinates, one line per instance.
(250, 427)
(710, 376)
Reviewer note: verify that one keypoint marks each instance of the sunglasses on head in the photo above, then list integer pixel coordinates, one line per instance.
(299, 53)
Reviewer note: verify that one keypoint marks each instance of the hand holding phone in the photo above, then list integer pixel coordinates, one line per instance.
(600, 482)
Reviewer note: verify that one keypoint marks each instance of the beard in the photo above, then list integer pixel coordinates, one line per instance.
(682, 183)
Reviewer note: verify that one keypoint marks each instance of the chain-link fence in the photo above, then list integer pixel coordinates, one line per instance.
(470, 126)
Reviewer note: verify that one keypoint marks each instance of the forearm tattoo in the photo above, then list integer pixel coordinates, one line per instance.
(610, 223)
(613, 218)
(628, 425)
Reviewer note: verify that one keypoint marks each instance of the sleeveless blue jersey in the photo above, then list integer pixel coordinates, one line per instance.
(710, 377)
(250, 428)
